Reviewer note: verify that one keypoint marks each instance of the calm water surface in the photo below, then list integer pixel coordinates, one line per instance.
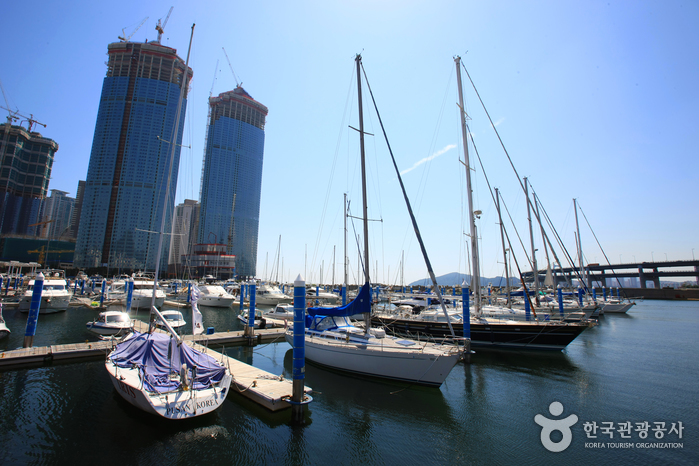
(636, 367)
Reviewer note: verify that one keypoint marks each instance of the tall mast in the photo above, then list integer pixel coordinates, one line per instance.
(531, 238)
(504, 251)
(358, 59)
(475, 275)
(577, 227)
(173, 143)
(345, 256)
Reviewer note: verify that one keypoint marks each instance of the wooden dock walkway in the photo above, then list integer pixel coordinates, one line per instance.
(266, 389)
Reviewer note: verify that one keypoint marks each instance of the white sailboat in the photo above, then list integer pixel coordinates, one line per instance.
(332, 340)
(160, 373)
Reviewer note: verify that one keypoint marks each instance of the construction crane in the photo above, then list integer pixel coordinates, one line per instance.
(124, 38)
(14, 115)
(159, 27)
(231, 67)
(44, 251)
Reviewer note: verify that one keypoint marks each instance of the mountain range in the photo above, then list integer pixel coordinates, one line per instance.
(456, 279)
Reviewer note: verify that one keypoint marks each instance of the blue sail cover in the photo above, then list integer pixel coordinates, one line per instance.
(359, 305)
(157, 355)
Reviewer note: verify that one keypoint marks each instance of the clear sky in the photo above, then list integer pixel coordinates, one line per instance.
(594, 100)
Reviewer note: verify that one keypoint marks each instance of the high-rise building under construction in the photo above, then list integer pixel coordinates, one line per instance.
(129, 168)
(231, 182)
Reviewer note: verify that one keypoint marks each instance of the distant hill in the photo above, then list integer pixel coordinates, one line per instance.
(456, 279)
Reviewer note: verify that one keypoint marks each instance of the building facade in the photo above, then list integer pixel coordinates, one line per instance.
(129, 169)
(185, 226)
(210, 259)
(26, 160)
(58, 210)
(232, 177)
(77, 208)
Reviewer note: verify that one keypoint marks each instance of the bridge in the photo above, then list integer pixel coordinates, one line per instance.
(597, 274)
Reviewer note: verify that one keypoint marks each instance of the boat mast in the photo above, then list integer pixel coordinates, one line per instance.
(504, 251)
(358, 59)
(577, 227)
(345, 256)
(159, 252)
(475, 275)
(531, 238)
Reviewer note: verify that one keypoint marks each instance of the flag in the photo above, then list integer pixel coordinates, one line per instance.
(197, 326)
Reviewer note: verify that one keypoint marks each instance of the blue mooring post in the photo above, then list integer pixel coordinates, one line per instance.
(93, 286)
(0, 283)
(189, 292)
(82, 287)
(344, 295)
(75, 287)
(617, 293)
(129, 293)
(560, 300)
(34, 306)
(594, 294)
(299, 351)
(465, 301)
(604, 292)
(580, 296)
(527, 309)
(252, 290)
(104, 290)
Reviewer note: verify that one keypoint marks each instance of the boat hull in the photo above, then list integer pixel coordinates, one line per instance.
(506, 335)
(407, 366)
(616, 308)
(180, 404)
(49, 304)
(94, 327)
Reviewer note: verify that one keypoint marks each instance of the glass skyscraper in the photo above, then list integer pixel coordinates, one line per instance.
(130, 159)
(231, 184)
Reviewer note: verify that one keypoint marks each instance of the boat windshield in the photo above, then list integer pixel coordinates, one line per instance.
(117, 318)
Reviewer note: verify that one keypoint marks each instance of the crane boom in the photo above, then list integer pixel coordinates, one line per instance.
(14, 115)
(160, 28)
(230, 66)
(124, 38)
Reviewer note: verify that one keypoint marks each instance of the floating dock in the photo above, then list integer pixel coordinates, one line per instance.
(264, 388)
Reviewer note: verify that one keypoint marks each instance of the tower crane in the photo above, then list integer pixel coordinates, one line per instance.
(231, 67)
(159, 27)
(124, 38)
(14, 115)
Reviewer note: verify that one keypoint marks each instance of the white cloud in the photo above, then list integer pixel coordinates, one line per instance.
(431, 157)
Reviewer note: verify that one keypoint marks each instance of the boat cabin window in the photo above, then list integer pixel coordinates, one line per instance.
(117, 318)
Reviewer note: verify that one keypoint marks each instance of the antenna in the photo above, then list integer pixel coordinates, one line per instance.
(124, 38)
(231, 67)
(159, 27)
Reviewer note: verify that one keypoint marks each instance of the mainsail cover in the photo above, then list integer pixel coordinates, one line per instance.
(359, 305)
(157, 355)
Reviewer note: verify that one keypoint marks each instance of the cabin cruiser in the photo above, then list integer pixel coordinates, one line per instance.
(281, 312)
(270, 295)
(214, 296)
(173, 317)
(142, 292)
(55, 295)
(4, 331)
(111, 323)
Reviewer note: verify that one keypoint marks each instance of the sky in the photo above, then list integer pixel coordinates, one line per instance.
(593, 100)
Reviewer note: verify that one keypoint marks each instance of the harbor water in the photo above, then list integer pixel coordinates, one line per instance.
(636, 368)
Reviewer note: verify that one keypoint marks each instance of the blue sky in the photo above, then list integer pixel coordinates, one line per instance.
(593, 100)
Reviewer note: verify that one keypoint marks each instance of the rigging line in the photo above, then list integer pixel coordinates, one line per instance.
(605, 254)
(410, 210)
(493, 126)
(512, 254)
(565, 251)
(540, 205)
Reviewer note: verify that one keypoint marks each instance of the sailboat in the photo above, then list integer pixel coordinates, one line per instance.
(159, 373)
(332, 340)
(485, 332)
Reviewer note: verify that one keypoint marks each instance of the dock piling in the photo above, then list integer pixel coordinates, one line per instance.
(34, 306)
(299, 351)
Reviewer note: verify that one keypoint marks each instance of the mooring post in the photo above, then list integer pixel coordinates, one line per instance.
(34, 306)
(617, 293)
(189, 292)
(129, 293)
(466, 320)
(75, 286)
(104, 290)
(594, 294)
(344, 294)
(93, 286)
(252, 290)
(560, 300)
(527, 307)
(82, 287)
(604, 293)
(580, 296)
(299, 351)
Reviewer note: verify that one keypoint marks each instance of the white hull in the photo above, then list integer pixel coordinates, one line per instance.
(616, 308)
(180, 404)
(4, 331)
(49, 304)
(384, 358)
(101, 329)
(216, 301)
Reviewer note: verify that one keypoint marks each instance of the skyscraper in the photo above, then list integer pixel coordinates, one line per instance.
(185, 226)
(58, 210)
(26, 159)
(130, 159)
(232, 176)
